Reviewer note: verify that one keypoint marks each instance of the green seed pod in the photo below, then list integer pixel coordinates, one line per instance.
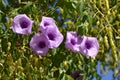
(36, 62)
(66, 65)
(98, 22)
(106, 42)
(102, 49)
(118, 30)
(40, 57)
(22, 73)
(113, 47)
(94, 1)
(16, 79)
(115, 56)
(11, 20)
(101, 46)
(108, 12)
(19, 62)
(109, 30)
(31, 56)
(20, 68)
(118, 55)
(94, 31)
(9, 45)
(11, 69)
(118, 16)
(117, 23)
(92, 60)
(101, 26)
(9, 59)
(0, 46)
(54, 69)
(61, 10)
(35, 68)
(113, 14)
(116, 72)
(107, 5)
(112, 44)
(23, 48)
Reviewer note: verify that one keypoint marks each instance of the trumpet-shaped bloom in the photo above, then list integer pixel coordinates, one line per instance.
(73, 41)
(50, 30)
(39, 44)
(47, 22)
(54, 37)
(22, 24)
(89, 46)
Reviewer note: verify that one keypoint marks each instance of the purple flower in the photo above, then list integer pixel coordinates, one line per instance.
(54, 37)
(89, 46)
(39, 44)
(50, 30)
(73, 41)
(46, 23)
(22, 24)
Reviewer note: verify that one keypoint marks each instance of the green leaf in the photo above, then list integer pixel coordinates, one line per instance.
(67, 77)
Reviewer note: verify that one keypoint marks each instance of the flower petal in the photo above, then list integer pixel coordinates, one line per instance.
(89, 46)
(54, 37)
(22, 24)
(46, 23)
(39, 44)
(73, 41)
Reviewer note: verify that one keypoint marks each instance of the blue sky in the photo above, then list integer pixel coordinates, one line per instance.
(108, 76)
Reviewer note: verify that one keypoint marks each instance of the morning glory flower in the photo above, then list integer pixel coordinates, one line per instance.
(46, 23)
(89, 46)
(54, 37)
(73, 41)
(22, 24)
(50, 30)
(39, 44)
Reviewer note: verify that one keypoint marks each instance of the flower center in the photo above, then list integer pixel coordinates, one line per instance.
(73, 42)
(88, 45)
(51, 36)
(24, 24)
(41, 44)
(46, 23)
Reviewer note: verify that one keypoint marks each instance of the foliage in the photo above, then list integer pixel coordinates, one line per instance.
(98, 18)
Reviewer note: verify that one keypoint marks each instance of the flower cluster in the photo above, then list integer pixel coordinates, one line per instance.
(50, 37)
(88, 46)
